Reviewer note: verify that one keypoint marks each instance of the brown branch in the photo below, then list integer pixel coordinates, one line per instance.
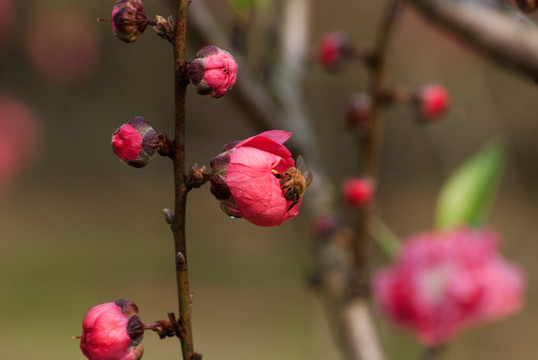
(504, 39)
(178, 158)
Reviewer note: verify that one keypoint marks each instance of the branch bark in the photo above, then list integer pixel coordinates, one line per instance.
(180, 196)
(502, 38)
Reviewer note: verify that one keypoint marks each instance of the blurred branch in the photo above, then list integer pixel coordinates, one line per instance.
(502, 38)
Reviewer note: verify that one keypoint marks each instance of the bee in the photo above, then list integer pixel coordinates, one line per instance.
(294, 181)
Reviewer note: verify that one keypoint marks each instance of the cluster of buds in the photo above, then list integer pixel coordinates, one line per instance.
(430, 103)
(129, 20)
(112, 331)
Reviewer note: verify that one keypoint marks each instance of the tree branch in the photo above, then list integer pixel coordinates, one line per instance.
(180, 197)
(505, 39)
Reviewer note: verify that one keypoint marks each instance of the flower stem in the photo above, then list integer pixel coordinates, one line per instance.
(180, 198)
(371, 145)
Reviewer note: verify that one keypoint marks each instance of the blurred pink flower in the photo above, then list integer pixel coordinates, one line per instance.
(7, 14)
(433, 102)
(21, 137)
(334, 49)
(112, 331)
(63, 47)
(243, 179)
(358, 192)
(213, 72)
(443, 282)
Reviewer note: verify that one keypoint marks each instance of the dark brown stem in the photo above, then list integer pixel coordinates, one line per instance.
(371, 145)
(432, 352)
(180, 198)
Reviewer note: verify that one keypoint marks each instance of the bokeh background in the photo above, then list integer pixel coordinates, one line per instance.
(78, 228)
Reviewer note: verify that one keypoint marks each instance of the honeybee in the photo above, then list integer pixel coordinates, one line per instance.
(295, 180)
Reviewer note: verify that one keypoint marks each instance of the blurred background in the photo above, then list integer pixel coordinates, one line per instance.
(79, 228)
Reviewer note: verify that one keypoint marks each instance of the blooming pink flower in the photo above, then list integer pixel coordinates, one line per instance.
(358, 192)
(333, 49)
(213, 72)
(433, 102)
(55, 39)
(135, 142)
(443, 282)
(112, 331)
(243, 179)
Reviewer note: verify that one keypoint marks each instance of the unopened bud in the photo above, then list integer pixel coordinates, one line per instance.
(213, 72)
(432, 102)
(129, 20)
(358, 192)
(359, 113)
(334, 49)
(135, 142)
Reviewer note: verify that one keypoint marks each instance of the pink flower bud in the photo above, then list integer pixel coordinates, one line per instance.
(213, 72)
(253, 179)
(442, 282)
(358, 192)
(432, 102)
(135, 142)
(129, 20)
(112, 331)
(359, 113)
(334, 49)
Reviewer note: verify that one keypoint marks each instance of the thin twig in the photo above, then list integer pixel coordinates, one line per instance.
(178, 158)
(509, 40)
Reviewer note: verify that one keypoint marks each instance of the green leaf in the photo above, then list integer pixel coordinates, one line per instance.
(468, 193)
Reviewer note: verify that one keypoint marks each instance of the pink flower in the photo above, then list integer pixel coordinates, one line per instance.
(432, 101)
(443, 282)
(112, 331)
(244, 179)
(55, 39)
(213, 72)
(334, 48)
(358, 192)
(135, 142)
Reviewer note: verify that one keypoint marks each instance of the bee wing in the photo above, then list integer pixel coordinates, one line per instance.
(299, 164)
(307, 177)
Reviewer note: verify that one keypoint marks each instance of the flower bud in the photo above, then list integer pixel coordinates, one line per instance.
(251, 179)
(432, 102)
(213, 72)
(358, 192)
(527, 5)
(129, 20)
(112, 331)
(135, 142)
(359, 113)
(334, 49)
